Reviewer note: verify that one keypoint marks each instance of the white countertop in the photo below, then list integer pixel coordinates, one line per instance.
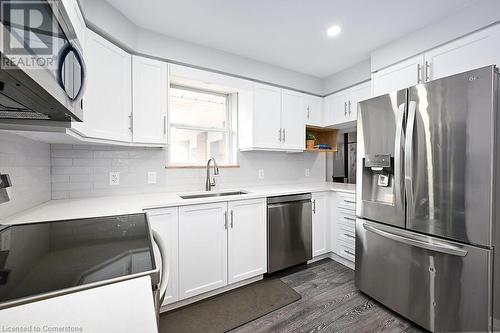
(54, 210)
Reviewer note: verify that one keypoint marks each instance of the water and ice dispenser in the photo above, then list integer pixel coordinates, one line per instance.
(378, 177)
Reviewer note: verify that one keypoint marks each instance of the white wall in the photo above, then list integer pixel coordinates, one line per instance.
(457, 25)
(83, 171)
(353, 75)
(108, 21)
(28, 164)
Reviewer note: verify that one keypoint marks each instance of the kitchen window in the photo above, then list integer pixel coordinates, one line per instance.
(201, 127)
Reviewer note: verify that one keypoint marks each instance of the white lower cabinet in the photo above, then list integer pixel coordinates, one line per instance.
(320, 223)
(343, 220)
(202, 248)
(220, 244)
(165, 221)
(247, 255)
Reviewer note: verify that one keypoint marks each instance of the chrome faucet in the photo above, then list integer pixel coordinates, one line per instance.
(211, 182)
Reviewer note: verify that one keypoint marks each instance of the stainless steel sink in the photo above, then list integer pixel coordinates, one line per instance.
(210, 195)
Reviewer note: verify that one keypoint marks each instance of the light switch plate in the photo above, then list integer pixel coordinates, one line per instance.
(114, 178)
(261, 173)
(307, 172)
(151, 177)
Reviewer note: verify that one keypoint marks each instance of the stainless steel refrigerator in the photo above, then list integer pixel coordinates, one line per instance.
(428, 203)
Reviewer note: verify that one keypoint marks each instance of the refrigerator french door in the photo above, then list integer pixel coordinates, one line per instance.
(427, 198)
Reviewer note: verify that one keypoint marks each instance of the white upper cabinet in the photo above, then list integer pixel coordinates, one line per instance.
(470, 52)
(292, 121)
(357, 94)
(266, 117)
(313, 107)
(320, 223)
(275, 120)
(76, 18)
(150, 100)
(165, 221)
(247, 255)
(476, 50)
(202, 248)
(341, 107)
(108, 99)
(399, 76)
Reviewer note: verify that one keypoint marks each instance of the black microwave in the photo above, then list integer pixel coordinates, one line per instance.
(42, 67)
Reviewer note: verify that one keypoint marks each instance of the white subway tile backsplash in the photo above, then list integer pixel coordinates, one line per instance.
(61, 161)
(134, 164)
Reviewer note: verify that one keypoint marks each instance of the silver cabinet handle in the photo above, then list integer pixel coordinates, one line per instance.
(419, 73)
(308, 113)
(427, 71)
(314, 206)
(349, 219)
(349, 103)
(232, 218)
(284, 135)
(408, 167)
(345, 109)
(349, 236)
(280, 135)
(131, 128)
(164, 124)
(350, 201)
(165, 264)
(434, 246)
(225, 220)
(349, 252)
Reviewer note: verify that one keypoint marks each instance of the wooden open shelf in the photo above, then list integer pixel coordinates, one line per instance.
(323, 136)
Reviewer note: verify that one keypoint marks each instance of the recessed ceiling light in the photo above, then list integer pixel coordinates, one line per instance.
(333, 31)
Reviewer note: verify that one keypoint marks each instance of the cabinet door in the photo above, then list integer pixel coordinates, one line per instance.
(247, 247)
(358, 93)
(267, 116)
(313, 110)
(108, 98)
(166, 223)
(476, 50)
(320, 221)
(150, 100)
(293, 120)
(398, 76)
(336, 109)
(202, 248)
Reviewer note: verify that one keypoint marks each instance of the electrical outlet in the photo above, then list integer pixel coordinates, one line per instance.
(261, 173)
(308, 172)
(114, 178)
(151, 177)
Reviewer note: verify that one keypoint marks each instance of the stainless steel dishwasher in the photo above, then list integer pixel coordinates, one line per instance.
(289, 231)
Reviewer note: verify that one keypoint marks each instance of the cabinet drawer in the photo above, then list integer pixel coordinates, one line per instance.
(347, 201)
(346, 252)
(346, 234)
(347, 218)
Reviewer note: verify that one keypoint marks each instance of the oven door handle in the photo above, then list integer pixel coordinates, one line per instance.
(165, 265)
(436, 247)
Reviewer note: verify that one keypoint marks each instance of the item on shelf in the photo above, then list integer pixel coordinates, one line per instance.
(323, 146)
(310, 140)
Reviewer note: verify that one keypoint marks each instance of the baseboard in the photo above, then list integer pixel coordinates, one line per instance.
(197, 298)
(341, 260)
(320, 257)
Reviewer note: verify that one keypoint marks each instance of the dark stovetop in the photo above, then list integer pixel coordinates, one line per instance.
(39, 258)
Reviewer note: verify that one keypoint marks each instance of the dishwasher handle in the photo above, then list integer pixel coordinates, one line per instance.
(289, 198)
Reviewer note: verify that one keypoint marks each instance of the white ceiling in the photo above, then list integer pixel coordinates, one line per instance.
(290, 33)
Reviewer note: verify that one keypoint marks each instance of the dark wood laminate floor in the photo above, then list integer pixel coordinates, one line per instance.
(330, 303)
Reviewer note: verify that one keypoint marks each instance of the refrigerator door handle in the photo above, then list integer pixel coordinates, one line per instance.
(436, 247)
(398, 162)
(408, 167)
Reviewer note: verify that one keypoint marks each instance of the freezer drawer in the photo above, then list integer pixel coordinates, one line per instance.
(440, 285)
